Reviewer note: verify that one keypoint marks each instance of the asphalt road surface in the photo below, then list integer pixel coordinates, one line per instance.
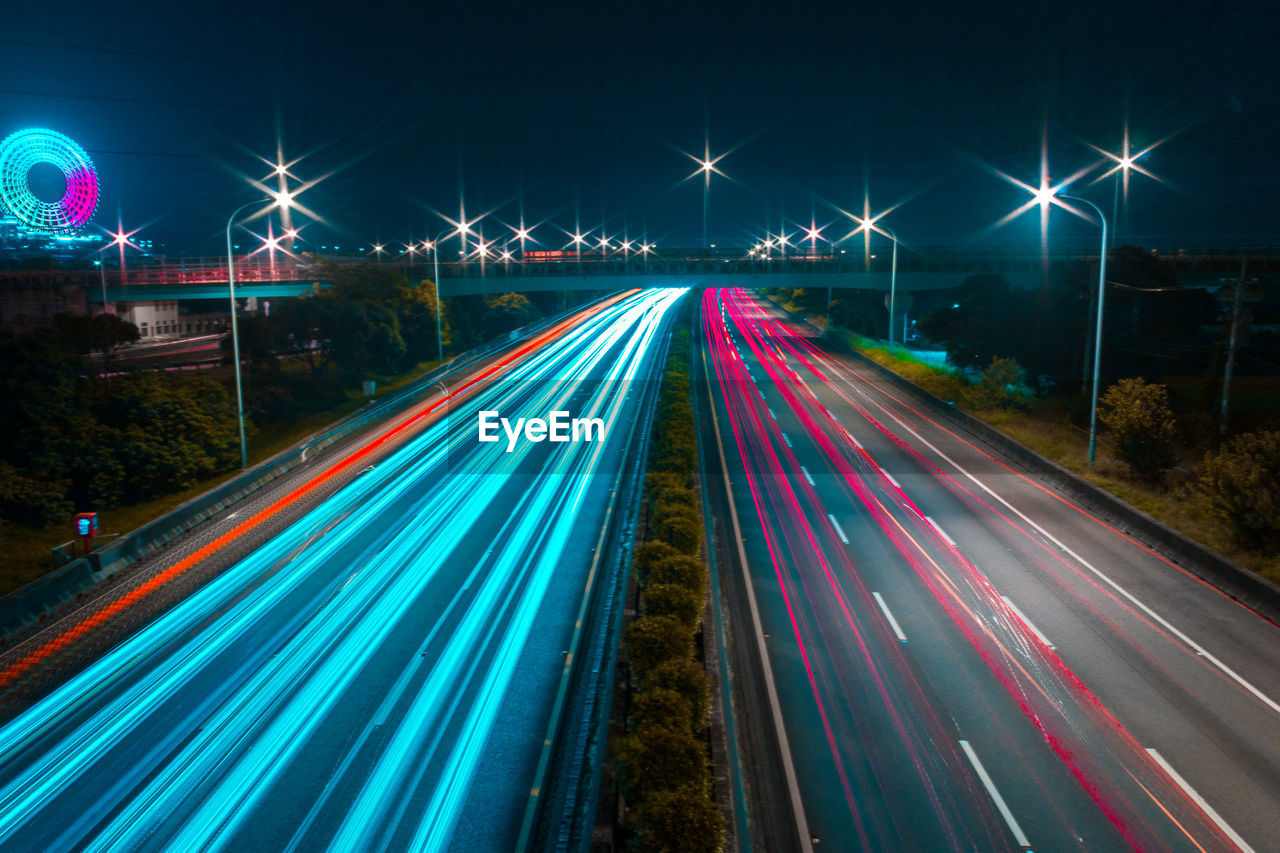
(960, 657)
(378, 674)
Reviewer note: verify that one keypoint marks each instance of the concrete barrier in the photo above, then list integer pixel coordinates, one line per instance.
(36, 600)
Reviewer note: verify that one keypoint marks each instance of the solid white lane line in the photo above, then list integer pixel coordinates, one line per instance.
(1164, 623)
(836, 525)
(771, 686)
(786, 439)
(1025, 621)
(1201, 802)
(1003, 807)
(941, 532)
(805, 471)
(893, 623)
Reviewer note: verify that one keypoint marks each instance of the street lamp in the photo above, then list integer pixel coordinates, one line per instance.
(1097, 337)
(433, 246)
(867, 224)
(283, 200)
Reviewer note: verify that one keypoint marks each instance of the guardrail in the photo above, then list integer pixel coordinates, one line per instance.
(28, 604)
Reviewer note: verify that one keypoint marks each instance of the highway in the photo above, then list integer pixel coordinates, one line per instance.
(957, 656)
(381, 672)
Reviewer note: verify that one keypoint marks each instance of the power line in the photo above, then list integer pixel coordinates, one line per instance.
(123, 100)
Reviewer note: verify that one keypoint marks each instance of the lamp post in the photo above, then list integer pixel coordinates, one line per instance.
(434, 246)
(893, 286)
(282, 200)
(1097, 337)
(867, 225)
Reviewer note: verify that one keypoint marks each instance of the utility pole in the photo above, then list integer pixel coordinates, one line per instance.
(1232, 340)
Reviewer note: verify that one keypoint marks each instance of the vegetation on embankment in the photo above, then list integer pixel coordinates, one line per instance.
(133, 444)
(665, 770)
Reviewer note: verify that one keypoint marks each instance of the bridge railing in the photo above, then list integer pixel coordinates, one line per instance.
(276, 267)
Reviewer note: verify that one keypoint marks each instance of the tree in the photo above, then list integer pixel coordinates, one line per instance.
(1241, 481)
(159, 434)
(677, 568)
(658, 758)
(988, 318)
(668, 599)
(647, 556)
(860, 311)
(260, 340)
(680, 820)
(309, 327)
(654, 639)
(686, 677)
(1141, 424)
(32, 499)
(682, 529)
(999, 388)
(102, 333)
(661, 708)
(506, 312)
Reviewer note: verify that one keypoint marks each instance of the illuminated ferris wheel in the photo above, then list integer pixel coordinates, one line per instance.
(22, 151)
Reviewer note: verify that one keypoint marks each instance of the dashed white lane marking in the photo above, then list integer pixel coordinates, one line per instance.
(893, 623)
(839, 530)
(1201, 802)
(1001, 805)
(1133, 599)
(1025, 621)
(941, 532)
(805, 471)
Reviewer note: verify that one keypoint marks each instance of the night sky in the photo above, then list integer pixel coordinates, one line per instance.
(406, 106)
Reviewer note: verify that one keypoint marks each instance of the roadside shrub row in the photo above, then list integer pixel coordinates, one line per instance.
(665, 771)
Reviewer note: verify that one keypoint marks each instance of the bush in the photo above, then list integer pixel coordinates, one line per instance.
(1141, 424)
(683, 819)
(34, 500)
(652, 640)
(687, 678)
(1241, 481)
(677, 568)
(659, 483)
(682, 530)
(648, 556)
(661, 708)
(661, 759)
(668, 508)
(682, 602)
(999, 387)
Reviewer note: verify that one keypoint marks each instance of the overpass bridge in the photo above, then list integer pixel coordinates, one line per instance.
(286, 276)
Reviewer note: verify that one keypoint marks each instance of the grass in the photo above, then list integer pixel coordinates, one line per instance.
(27, 550)
(1045, 426)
